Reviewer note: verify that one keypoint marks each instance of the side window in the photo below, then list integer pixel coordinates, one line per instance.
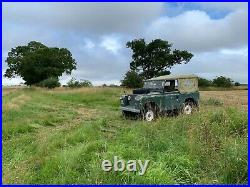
(176, 84)
(170, 85)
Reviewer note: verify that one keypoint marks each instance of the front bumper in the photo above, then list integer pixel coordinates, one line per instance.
(130, 109)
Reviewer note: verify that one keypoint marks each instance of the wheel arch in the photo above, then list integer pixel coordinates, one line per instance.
(153, 104)
(190, 99)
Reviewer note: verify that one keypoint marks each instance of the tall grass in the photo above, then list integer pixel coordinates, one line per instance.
(62, 137)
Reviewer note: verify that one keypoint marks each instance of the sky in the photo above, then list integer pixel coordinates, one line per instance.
(96, 34)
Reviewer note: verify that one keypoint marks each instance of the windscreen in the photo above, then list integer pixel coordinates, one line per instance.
(153, 84)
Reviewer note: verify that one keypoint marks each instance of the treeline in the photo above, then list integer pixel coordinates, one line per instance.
(220, 81)
(42, 66)
(133, 80)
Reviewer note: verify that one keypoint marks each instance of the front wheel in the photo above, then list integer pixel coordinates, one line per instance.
(149, 115)
(150, 112)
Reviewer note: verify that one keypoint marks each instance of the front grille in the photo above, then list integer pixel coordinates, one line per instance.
(124, 101)
(128, 100)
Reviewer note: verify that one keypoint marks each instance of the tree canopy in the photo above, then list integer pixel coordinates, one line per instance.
(202, 82)
(155, 58)
(132, 80)
(222, 81)
(36, 62)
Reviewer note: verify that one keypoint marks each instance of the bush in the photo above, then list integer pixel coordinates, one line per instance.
(236, 84)
(132, 80)
(51, 82)
(204, 82)
(212, 101)
(223, 82)
(73, 83)
(113, 85)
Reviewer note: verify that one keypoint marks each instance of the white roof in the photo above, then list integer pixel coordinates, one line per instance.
(171, 77)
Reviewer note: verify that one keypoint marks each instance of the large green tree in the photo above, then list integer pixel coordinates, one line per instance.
(36, 62)
(155, 58)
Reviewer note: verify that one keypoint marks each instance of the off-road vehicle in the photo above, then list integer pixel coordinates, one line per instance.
(170, 94)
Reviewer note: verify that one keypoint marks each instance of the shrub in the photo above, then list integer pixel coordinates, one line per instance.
(223, 82)
(236, 84)
(73, 83)
(212, 101)
(51, 82)
(204, 82)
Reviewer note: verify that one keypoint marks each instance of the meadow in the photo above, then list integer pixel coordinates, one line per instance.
(61, 136)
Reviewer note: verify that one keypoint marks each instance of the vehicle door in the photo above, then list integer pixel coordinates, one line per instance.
(171, 95)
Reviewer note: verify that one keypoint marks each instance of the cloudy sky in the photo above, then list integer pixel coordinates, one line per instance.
(96, 34)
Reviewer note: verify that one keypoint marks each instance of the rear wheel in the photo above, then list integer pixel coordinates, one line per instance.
(188, 108)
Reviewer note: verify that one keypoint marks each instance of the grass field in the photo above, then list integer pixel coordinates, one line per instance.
(62, 136)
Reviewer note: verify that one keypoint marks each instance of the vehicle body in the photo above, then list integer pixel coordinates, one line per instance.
(163, 95)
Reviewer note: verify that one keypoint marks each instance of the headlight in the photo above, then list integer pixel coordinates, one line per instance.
(129, 98)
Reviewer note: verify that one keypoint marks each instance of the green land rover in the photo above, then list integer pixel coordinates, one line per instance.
(170, 94)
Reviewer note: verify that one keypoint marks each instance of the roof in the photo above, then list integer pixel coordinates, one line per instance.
(171, 77)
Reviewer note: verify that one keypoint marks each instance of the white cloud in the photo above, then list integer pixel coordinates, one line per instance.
(232, 63)
(196, 31)
(240, 51)
(96, 34)
(111, 44)
(83, 17)
(89, 44)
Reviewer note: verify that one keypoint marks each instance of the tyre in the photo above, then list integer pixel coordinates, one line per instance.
(188, 108)
(150, 113)
(125, 114)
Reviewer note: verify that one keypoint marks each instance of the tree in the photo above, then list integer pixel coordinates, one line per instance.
(132, 80)
(155, 58)
(36, 62)
(223, 82)
(202, 82)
